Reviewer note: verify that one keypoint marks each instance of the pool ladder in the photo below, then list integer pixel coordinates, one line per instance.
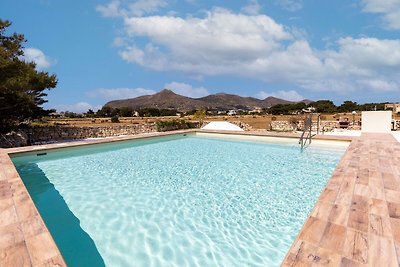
(307, 135)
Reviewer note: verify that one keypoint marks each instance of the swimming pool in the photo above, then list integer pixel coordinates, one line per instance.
(177, 201)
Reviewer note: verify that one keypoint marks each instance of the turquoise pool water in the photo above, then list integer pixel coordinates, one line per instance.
(177, 201)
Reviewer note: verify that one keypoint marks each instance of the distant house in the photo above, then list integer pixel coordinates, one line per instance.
(231, 112)
(256, 110)
(395, 107)
(309, 109)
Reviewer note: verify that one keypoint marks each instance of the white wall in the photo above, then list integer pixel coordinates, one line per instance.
(376, 121)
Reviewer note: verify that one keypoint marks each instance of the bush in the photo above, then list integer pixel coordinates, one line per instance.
(114, 119)
(174, 125)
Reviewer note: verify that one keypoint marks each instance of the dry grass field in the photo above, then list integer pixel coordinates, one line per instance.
(257, 122)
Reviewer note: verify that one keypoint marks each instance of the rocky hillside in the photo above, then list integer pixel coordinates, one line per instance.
(166, 99)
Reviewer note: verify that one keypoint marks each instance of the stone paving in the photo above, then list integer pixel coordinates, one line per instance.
(24, 238)
(355, 222)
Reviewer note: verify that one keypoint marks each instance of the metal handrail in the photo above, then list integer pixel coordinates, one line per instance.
(8, 141)
(307, 129)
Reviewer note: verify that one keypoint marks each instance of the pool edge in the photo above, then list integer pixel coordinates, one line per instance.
(29, 242)
(87, 142)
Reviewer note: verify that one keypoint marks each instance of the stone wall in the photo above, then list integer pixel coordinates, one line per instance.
(325, 126)
(38, 135)
(242, 125)
(396, 125)
(57, 133)
(13, 139)
(287, 126)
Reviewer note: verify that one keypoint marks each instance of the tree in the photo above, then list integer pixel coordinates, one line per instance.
(21, 85)
(126, 112)
(115, 119)
(200, 115)
(286, 109)
(105, 111)
(90, 113)
(324, 106)
(348, 106)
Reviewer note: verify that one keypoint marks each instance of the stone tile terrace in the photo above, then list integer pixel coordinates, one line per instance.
(24, 238)
(356, 220)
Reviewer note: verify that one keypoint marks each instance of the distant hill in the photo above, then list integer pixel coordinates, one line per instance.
(166, 99)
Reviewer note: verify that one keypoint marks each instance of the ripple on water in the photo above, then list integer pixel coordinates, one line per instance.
(192, 201)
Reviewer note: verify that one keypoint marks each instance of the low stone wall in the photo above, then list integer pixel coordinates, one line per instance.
(14, 139)
(396, 125)
(287, 126)
(242, 125)
(57, 133)
(37, 135)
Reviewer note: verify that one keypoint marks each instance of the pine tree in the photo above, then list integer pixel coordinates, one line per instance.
(22, 87)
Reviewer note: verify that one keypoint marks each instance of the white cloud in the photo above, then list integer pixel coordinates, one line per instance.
(380, 85)
(141, 7)
(290, 5)
(389, 9)
(79, 107)
(37, 56)
(119, 42)
(111, 9)
(117, 8)
(187, 89)
(290, 95)
(368, 53)
(119, 93)
(255, 46)
(252, 8)
(216, 44)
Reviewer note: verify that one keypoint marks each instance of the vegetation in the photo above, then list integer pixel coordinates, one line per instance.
(287, 108)
(115, 119)
(324, 106)
(174, 125)
(22, 86)
(200, 115)
(107, 111)
(320, 106)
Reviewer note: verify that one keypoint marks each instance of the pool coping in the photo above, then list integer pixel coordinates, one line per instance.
(356, 219)
(84, 142)
(24, 238)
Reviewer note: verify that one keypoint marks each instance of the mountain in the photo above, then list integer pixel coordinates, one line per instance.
(223, 101)
(272, 101)
(306, 101)
(166, 99)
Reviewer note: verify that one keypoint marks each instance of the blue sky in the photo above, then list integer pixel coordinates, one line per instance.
(292, 49)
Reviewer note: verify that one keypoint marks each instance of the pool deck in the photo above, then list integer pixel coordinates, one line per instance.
(24, 238)
(355, 222)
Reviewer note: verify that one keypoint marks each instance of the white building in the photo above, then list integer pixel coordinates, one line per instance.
(395, 107)
(231, 112)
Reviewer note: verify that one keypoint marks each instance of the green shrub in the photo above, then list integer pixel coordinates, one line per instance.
(115, 119)
(174, 125)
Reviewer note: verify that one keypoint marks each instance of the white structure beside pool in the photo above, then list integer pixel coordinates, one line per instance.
(376, 121)
(222, 125)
